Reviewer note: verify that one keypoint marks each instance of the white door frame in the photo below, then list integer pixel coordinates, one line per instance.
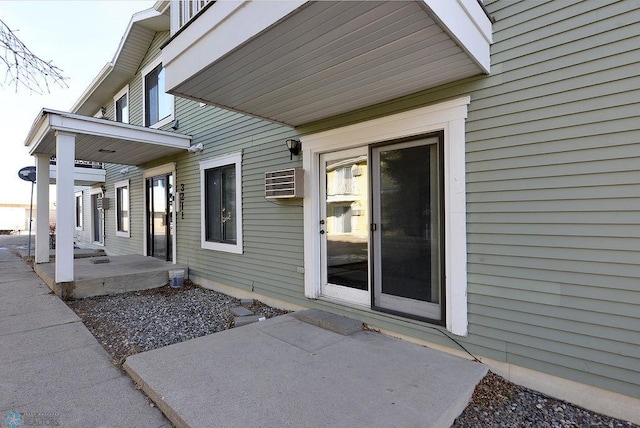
(169, 168)
(448, 116)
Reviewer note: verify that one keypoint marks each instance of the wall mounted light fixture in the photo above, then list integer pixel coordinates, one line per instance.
(294, 147)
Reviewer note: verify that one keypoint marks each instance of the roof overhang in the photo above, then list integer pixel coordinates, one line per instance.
(297, 62)
(100, 140)
(133, 47)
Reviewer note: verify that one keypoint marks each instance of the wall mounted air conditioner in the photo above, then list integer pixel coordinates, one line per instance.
(284, 184)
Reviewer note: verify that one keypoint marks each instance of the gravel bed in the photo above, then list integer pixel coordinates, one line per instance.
(497, 402)
(139, 321)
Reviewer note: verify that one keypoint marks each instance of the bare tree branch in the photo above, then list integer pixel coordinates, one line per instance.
(24, 68)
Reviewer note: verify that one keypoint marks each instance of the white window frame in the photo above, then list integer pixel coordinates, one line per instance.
(79, 222)
(148, 69)
(124, 91)
(449, 117)
(119, 185)
(230, 159)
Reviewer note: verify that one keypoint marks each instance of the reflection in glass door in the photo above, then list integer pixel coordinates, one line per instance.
(345, 225)
(97, 219)
(407, 239)
(160, 217)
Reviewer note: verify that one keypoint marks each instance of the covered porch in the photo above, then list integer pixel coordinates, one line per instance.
(120, 274)
(70, 137)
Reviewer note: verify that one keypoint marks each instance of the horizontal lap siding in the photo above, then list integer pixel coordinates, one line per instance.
(553, 199)
(553, 196)
(272, 232)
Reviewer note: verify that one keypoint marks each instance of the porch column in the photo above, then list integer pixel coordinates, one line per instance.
(65, 211)
(42, 212)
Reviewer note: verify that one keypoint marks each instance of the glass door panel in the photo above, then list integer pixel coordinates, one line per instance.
(159, 217)
(97, 219)
(345, 225)
(406, 183)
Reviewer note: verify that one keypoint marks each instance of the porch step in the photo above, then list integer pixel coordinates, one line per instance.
(332, 322)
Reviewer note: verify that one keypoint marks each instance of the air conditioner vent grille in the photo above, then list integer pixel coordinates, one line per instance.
(286, 183)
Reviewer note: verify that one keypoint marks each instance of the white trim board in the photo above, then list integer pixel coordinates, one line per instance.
(229, 159)
(116, 186)
(448, 116)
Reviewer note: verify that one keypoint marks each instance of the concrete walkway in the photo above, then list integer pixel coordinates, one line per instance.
(288, 372)
(52, 370)
(308, 369)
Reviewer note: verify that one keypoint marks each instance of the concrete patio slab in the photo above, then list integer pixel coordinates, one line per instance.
(120, 275)
(284, 372)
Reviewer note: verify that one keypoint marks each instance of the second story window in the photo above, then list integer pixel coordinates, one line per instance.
(158, 105)
(121, 103)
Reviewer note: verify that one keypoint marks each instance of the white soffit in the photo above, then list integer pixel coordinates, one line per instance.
(100, 140)
(319, 59)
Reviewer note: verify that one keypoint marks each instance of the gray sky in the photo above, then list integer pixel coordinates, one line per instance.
(80, 37)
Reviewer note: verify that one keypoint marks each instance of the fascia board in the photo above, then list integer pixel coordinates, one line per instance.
(38, 130)
(110, 129)
(467, 23)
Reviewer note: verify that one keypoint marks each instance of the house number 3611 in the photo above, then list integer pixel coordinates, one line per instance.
(181, 201)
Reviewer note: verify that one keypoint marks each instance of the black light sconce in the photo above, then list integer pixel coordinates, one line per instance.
(294, 147)
(103, 188)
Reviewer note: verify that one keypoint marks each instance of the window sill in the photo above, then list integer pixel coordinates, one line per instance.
(162, 122)
(226, 248)
(123, 234)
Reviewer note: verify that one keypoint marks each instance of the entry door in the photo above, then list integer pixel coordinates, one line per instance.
(407, 218)
(97, 219)
(345, 225)
(160, 217)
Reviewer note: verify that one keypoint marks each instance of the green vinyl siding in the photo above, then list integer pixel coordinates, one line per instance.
(552, 155)
(552, 151)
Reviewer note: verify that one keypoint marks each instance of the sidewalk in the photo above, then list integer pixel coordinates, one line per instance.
(306, 369)
(53, 372)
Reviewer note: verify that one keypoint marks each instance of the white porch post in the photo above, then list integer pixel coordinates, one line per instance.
(65, 160)
(42, 204)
